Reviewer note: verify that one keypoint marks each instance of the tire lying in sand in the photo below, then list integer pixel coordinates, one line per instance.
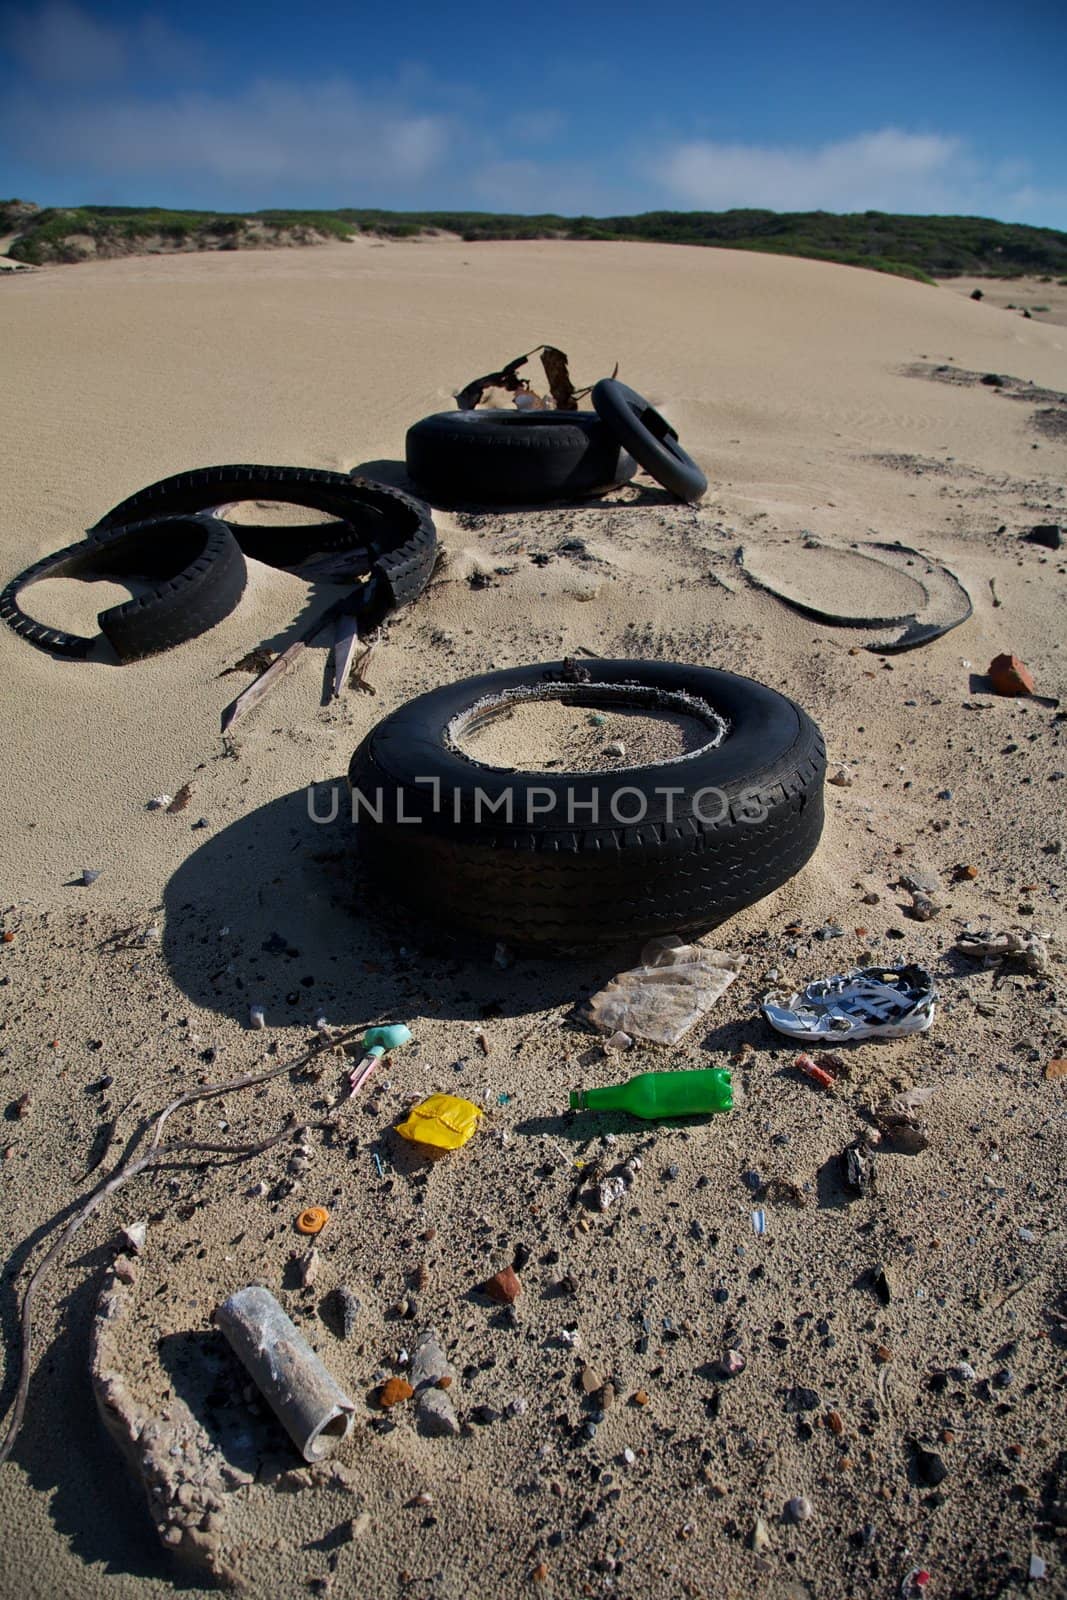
(193, 565)
(649, 438)
(515, 456)
(380, 528)
(564, 859)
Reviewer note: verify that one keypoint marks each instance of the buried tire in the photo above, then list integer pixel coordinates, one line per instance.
(192, 566)
(378, 527)
(551, 859)
(515, 456)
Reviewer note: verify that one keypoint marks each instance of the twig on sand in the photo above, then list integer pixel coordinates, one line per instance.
(154, 1155)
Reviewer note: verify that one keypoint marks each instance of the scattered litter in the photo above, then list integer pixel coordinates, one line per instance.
(914, 1583)
(1038, 1568)
(672, 989)
(257, 1017)
(310, 1405)
(811, 1069)
(377, 1042)
(1009, 677)
(859, 1167)
(181, 799)
(1017, 947)
(887, 1002)
(609, 1191)
(159, 802)
(89, 876)
(923, 908)
(841, 778)
(564, 395)
(134, 1237)
(442, 1122)
(759, 1222)
(654, 1095)
(731, 1363)
(1056, 1069)
(313, 1220)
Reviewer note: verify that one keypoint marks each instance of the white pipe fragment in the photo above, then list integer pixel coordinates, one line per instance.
(312, 1408)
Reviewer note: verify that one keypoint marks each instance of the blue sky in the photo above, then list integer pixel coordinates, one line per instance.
(947, 106)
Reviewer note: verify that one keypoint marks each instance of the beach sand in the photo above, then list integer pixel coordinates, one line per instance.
(811, 395)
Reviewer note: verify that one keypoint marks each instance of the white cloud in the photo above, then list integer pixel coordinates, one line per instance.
(890, 170)
(269, 137)
(61, 43)
(537, 125)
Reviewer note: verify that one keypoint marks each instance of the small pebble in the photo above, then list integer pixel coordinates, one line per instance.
(798, 1509)
(394, 1392)
(504, 1286)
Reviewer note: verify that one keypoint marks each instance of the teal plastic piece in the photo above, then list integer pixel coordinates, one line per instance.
(390, 1036)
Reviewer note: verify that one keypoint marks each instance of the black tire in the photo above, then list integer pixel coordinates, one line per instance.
(389, 530)
(514, 457)
(649, 438)
(554, 882)
(197, 573)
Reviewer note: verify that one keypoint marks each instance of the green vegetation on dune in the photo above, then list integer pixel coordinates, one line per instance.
(919, 247)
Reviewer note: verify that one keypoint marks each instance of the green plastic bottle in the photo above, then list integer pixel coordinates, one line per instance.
(653, 1095)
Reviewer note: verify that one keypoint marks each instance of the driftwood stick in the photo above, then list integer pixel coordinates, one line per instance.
(154, 1155)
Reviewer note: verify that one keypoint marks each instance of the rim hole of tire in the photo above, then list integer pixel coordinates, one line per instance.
(275, 513)
(73, 604)
(580, 728)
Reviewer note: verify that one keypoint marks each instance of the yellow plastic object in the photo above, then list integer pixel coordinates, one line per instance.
(443, 1122)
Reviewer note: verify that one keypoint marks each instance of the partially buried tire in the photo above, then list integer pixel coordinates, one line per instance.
(515, 457)
(192, 569)
(389, 532)
(554, 859)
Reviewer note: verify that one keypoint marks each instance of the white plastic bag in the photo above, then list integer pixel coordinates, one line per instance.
(660, 1000)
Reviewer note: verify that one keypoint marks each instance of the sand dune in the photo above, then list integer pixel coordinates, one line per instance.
(806, 392)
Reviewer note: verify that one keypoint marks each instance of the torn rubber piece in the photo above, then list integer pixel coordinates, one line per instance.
(192, 565)
(869, 1002)
(925, 600)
